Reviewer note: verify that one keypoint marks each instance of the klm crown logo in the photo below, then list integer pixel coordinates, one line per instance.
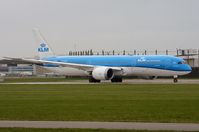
(43, 48)
(43, 45)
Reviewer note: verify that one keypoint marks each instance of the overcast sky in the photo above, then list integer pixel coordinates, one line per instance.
(98, 24)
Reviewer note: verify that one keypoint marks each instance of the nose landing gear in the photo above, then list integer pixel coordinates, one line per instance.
(175, 78)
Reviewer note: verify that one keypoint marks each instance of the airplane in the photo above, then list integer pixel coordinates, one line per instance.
(113, 68)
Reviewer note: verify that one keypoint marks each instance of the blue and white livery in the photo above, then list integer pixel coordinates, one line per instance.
(112, 68)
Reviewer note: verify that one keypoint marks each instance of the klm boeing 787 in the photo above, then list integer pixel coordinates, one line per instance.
(112, 68)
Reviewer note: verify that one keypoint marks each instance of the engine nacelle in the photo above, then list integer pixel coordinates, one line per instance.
(102, 73)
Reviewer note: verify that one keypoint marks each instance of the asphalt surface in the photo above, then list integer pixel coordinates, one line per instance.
(125, 81)
(100, 125)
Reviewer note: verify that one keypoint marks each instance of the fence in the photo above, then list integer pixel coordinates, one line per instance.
(124, 52)
(190, 55)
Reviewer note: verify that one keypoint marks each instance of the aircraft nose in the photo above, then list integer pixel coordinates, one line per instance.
(187, 68)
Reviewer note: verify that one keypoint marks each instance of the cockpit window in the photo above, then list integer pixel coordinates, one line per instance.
(182, 62)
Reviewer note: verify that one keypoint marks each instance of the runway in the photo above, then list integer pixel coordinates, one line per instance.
(101, 125)
(125, 81)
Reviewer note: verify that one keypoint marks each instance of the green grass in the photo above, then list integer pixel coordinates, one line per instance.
(144, 103)
(69, 130)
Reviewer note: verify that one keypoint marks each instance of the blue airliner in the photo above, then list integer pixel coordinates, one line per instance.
(112, 68)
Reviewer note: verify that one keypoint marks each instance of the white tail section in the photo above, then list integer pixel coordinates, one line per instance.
(43, 47)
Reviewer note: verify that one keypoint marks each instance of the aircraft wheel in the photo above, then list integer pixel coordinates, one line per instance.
(93, 80)
(175, 79)
(116, 80)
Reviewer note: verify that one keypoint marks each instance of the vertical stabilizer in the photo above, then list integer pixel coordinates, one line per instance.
(43, 48)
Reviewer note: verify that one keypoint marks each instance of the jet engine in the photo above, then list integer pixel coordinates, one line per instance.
(103, 73)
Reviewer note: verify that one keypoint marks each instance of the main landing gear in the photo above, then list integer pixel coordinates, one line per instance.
(93, 80)
(116, 80)
(113, 80)
(175, 78)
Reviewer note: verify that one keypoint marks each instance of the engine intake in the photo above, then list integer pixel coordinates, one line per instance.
(102, 73)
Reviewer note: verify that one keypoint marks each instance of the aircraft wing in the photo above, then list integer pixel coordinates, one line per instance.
(7, 60)
(84, 67)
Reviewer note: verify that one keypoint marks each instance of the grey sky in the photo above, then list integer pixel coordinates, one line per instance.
(98, 24)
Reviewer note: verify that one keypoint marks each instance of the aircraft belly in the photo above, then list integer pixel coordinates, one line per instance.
(127, 71)
(140, 71)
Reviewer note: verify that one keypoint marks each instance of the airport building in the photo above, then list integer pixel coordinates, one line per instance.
(17, 69)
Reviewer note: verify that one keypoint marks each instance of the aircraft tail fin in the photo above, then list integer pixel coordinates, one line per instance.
(43, 49)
